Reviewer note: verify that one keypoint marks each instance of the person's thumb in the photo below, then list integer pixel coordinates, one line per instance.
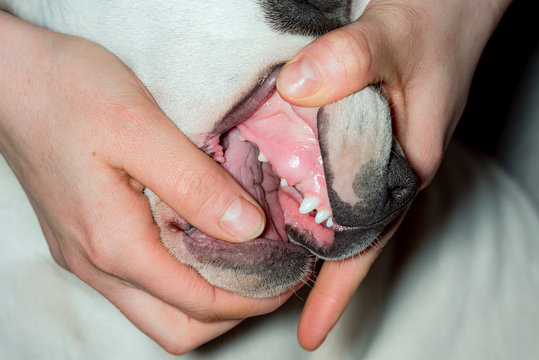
(191, 183)
(337, 64)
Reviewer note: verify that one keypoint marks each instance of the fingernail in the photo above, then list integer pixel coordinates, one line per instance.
(300, 79)
(242, 220)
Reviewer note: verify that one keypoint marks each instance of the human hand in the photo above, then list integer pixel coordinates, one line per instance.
(424, 54)
(84, 137)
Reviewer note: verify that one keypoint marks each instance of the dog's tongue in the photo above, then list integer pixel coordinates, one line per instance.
(287, 137)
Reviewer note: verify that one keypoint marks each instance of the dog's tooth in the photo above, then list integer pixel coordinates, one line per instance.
(284, 182)
(262, 157)
(309, 204)
(241, 138)
(329, 223)
(321, 216)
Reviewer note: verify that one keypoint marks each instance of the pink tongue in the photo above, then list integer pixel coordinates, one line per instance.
(287, 137)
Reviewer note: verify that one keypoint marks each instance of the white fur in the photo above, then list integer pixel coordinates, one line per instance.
(180, 62)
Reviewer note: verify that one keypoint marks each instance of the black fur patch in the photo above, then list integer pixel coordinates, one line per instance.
(306, 17)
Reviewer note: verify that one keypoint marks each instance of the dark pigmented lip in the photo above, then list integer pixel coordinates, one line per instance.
(232, 253)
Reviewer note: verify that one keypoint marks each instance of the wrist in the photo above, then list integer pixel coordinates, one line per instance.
(25, 54)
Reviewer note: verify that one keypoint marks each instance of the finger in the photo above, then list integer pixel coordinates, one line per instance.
(174, 331)
(337, 64)
(130, 249)
(335, 285)
(187, 180)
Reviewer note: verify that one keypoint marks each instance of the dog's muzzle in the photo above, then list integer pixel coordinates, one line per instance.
(282, 155)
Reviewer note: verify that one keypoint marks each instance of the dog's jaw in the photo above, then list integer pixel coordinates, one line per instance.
(185, 72)
(260, 268)
(277, 261)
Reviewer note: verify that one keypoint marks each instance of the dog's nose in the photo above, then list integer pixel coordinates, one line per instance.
(382, 193)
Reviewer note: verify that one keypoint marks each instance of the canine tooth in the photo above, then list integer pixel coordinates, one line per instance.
(262, 157)
(284, 182)
(309, 204)
(329, 223)
(241, 138)
(321, 216)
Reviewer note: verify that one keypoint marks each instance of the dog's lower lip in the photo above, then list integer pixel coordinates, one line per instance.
(200, 239)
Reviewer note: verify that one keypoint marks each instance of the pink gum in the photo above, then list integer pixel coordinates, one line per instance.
(287, 136)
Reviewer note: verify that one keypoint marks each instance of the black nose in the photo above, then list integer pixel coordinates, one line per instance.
(384, 193)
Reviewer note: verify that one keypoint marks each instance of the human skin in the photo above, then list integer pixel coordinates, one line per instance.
(424, 54)
(84, 137)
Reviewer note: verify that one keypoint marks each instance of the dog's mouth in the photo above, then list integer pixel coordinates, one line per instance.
(271, 148)
(273, 152)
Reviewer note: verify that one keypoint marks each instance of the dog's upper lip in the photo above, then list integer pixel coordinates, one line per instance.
(250, 102)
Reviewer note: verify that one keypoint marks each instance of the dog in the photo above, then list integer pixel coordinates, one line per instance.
(462, 283)
(211, 67)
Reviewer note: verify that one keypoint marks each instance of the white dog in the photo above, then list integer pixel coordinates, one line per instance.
(210, 65)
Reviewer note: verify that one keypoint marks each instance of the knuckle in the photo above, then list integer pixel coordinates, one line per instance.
(401, 20)
(430, 162)
(74, 264)
(198, 189)
(181, 340)
(61, 261)
(123, 125)
(176, 347)
(207, 317)
(435, 161)
(57, 253)
(79, 265)
(362, 47)
(66, 253)
(209, 308)
(352, 49)
(195, 179)
(101, 255)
